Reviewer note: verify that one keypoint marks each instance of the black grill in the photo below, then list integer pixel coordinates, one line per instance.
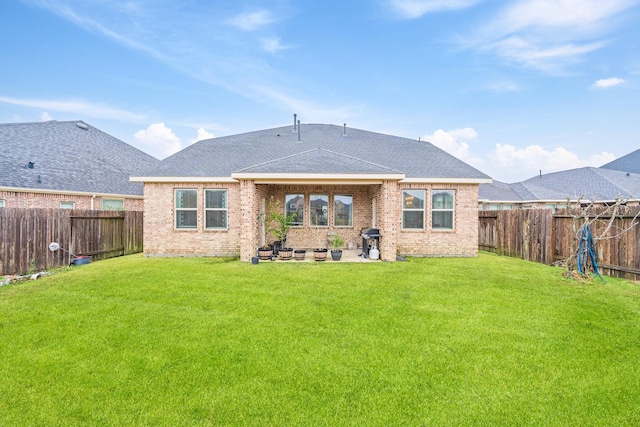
(370, 237)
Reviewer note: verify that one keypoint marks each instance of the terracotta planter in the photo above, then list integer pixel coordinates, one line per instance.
(299, 254)
(285, 253)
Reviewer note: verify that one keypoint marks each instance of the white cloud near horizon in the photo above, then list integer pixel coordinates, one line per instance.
(455, 142)
(202, 134)
(607, 83)
(412, 9)
(81, 108)
(45, 117)
(524, 163)
(549, 35)
(159, 140)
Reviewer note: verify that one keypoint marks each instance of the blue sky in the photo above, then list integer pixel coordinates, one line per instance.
(510, 87)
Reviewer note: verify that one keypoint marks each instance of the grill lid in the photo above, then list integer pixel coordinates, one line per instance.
(368, 233)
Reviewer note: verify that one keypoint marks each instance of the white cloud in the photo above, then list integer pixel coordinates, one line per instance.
(576, 16)
(202, 134)
(549, 35)
(541, 55)
(502, 86)
(606, 83)
(272, 45)
(45, 117)
(195, 44)
(251, 21)
(412, 9)
(159, 139)
(518, 164)
(455, 143)
(81, 108)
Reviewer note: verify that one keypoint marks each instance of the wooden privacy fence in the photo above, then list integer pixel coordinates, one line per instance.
(25, 235)
(540, 235)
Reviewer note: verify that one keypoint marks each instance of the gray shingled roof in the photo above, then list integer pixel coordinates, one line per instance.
(321, 149)
(628, 163)
(584, 183)
(69, 156)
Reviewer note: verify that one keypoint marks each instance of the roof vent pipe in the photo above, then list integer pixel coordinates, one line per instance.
(30, 165)
(298, 130)
(294, 122)
(344, 129)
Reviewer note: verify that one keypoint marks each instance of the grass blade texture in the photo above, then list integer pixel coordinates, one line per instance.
(480, 341)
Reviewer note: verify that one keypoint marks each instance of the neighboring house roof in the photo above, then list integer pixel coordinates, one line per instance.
(322, 149)
(589, 184)
(70, 156)
(628, 163)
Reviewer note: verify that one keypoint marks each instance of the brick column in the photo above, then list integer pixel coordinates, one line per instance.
(249, 211)
(389, 219)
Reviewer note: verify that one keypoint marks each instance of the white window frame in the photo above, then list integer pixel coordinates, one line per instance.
(2, 203)
(108, 200)
(225, 209)
(407, 193)
(452, 210)
(65, 205)
(177, 209)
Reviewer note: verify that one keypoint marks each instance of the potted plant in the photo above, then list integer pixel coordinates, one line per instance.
(285, 253)
(336, 243)
(278, 225)
(265, 252)
(319, 253)
(299, 254)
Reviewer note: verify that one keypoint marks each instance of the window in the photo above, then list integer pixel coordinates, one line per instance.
(186, 208)
(67, 205)
(112, 205)
(442, 210)
(319, 210)
(294, 208)
(1, 203)
(343, 210)
(215, 208)
(413, 209)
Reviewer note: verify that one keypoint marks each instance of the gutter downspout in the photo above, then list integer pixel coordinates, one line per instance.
(92, 197)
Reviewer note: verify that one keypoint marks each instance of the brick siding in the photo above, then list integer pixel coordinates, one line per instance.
(20, 199)
(462, 240)
(245, 206)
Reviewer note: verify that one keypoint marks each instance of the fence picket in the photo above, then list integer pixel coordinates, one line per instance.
(25, 234)
(540, 235)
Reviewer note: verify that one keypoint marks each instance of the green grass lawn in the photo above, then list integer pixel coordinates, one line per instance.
(486, 341)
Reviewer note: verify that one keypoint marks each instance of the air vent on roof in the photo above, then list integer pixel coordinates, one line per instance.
(294, 123)
(30, 165)
(82, 125)
(299, 131)
(344, 129)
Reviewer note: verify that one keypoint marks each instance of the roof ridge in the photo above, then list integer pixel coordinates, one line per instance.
(360, 160)
(279, 159)
(42, 122)
(602, 174)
